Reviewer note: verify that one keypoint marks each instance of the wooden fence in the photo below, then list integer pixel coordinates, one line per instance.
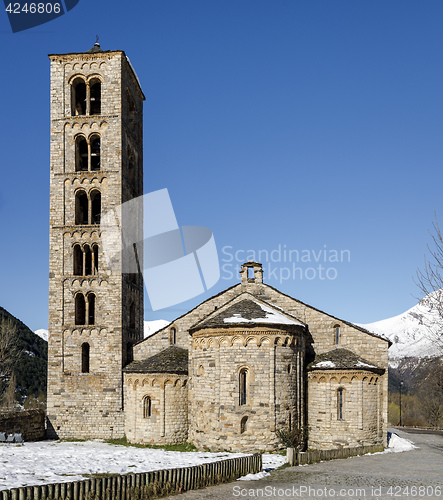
(143, 485)
(309, 457)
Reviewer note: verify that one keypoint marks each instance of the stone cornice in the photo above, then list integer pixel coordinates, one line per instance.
(247, 330)
(155, 380)
(340, 375)
(86, 56)
(264, 336)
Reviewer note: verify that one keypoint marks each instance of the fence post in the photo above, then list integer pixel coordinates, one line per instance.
(122, 487)
(118, 487)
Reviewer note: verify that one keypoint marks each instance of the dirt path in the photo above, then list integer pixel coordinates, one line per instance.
(409, 475)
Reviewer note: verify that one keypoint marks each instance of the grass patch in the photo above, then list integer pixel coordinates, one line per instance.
(286, 464)
(98, 474)
(73, 440)
(167, 447)
(280, 452)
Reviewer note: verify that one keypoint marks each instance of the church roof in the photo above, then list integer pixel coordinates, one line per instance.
(247, 311)
(263, 295)
(95, 48)
(342, 359)
(173, 359)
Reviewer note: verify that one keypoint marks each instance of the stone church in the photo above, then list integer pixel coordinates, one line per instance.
(224, 376)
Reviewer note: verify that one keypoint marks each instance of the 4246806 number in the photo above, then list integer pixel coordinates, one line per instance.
(33, 8)
(414, 491)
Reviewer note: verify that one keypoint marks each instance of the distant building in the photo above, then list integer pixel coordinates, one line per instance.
(227, 374)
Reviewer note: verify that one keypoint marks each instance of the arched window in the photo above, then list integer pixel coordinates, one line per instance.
(243, 384)
(173, 336)
(91, 309)
(85, 357)
(80, 309)
(147, 407)
(132, 315)
(95, 259)
(95, 89)
(86, 97)
(244, 425)
(81, 207)
(340, 403)
(95, 152)
(87, 153)
(78, 97)
(336, 334)
(78, 260)
(81, 154)
(95, 207)
(88, 260)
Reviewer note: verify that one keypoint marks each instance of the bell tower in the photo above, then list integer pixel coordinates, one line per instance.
(95, 311)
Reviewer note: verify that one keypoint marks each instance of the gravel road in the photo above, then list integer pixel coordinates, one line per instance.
(408, 475)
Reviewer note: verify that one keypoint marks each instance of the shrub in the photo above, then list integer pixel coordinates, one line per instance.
(292, 438)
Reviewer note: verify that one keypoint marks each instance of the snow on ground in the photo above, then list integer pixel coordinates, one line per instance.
(54, 461)
(398, 444)
(270, 461)
(254, 477)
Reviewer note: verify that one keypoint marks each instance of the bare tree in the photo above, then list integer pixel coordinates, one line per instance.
(431, 394)
(9, 401)
(430, 281)
(9, 353)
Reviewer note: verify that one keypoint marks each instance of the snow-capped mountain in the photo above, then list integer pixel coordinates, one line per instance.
(417, 332)
(43, 334)
(154, 326)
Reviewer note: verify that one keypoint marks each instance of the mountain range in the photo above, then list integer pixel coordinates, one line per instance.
(416, 333)
(30, 366)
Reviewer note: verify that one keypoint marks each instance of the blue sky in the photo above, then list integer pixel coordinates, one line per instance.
(305, 126)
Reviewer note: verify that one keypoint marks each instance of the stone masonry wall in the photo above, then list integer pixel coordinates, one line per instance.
(217, 419)
(322, 328)
(361, 422)
(162, 339)
(168, 422)
(29, 423)
(89, 404)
